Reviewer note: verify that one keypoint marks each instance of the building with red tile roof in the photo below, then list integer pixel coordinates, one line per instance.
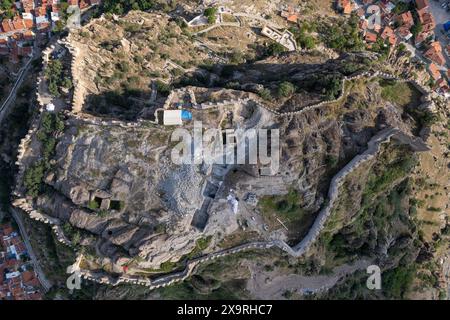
(404, 32)
(421, 4)
(434, 71)
(388, 34)
(434, 53)
(406, 19)
(370, 37)
(421, 37)
(426, 19)
(18, 23)
(7, 25)
(27, 276)
(345, 6)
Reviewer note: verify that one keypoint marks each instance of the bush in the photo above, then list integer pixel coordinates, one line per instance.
(329, 84)
(162, 87)
(275, 48)
(286, 89)
(303, 40)
(265, 94)
(93, 205)
(210, 14)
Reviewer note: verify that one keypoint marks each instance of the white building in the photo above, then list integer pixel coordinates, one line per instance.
(172, 118)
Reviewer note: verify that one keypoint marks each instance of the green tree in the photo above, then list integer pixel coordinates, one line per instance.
(416, 28)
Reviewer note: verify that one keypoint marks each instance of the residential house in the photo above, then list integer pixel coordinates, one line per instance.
(404, 33)
(387, 6)
(290, 14)
(370, 37)
(7, 25)
(434, 53)
(28, 6)
(344, 6)
(434, 71)
(426, 19)
(442, 85)
(422, 37)
(389, 35)
(421, 4)
(406, 19)
(28, 20)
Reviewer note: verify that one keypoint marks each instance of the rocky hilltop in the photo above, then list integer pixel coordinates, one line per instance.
(100, 169)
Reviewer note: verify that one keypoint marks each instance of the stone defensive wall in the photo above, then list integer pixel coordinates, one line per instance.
(25, 204)
(21, 201)
(374, 146)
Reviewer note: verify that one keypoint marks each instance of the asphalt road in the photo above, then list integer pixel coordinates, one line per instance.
(441, 16)
(37, 268)
(12, 94)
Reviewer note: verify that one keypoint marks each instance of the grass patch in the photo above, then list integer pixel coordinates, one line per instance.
(402, 94)
(285, 207)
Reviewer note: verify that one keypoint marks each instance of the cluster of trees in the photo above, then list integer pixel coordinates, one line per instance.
(382, 47)
(304, 40)
(6, 9)
(343, 36)
(329, 85)
(56, 77)
(123, 6)
(51, 125)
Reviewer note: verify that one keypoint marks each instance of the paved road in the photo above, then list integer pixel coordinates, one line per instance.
(441, 16)
(12, 94)
(37, 268)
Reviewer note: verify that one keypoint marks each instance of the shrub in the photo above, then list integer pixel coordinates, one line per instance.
(93, 205)
(163, 87)
(210, 14)
(275, 48)
(285, 89)
(265, 94)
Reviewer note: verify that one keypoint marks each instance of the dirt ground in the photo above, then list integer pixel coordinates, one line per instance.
(270, 285)
(433, 167)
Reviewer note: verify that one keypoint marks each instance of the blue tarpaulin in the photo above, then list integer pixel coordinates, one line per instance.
(186, 115)
(447, 26)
